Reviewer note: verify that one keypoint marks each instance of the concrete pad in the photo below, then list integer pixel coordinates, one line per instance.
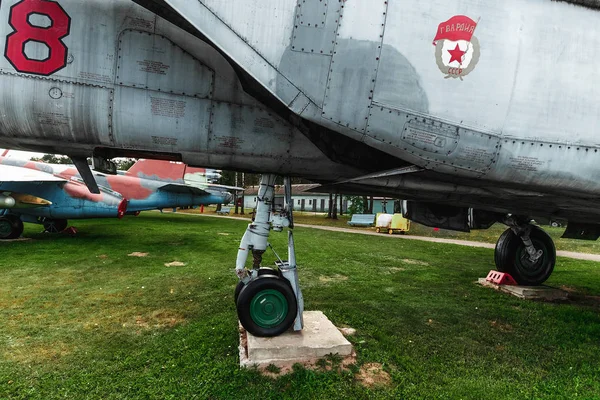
(318, 339)
(15, 240)
(528, 292)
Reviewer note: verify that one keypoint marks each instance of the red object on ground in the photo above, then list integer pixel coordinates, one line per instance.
(500, 278)
(436, 229)
(202, 208)
(70, 231)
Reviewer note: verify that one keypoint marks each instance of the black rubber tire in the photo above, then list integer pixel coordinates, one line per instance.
(510, 256)
(255, 287)
(14, 224)
(262, 271)
(55, 225)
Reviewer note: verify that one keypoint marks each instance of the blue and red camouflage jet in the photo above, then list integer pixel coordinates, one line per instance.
(51, 194)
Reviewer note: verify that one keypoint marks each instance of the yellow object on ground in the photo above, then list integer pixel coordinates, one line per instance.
(399, 223)
(391, 223)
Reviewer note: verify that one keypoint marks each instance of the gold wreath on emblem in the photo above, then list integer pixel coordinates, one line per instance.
(444, 68)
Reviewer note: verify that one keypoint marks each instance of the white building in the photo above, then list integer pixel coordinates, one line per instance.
(303, 199)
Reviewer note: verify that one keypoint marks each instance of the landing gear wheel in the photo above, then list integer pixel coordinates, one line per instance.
(391, 231)
(11, 227)
(262, 271)
(377, 230)
(55, 225)
(511, 256)
(267, 306)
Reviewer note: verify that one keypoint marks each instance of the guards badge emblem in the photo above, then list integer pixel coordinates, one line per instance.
(456, 49)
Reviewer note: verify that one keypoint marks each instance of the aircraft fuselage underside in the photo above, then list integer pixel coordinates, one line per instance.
(119, 80)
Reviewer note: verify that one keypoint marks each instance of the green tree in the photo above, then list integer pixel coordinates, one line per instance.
(356, 204)
(53, 159)
(124, 164)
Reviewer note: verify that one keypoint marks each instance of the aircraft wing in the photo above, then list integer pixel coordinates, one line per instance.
(177, 188)
(19, 178)
(9, 173)
(224, 187)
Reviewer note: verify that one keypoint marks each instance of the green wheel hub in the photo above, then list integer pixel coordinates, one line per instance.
(268, 308)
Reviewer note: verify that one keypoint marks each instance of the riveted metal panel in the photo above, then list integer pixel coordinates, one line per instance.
(244, 130)
(354, 64)
(151, 61)
(146, 119)
(432, 143)
(549, 163)
(54, 110)
(315, 26)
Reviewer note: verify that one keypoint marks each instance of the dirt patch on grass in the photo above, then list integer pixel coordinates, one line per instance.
(576, 297)
(568, 289)
(175, 264)
(35, 353)
(392, 270)
(158, 319)
(396, 269)
(501, 327)
(138, 254)
(103, 256)
(333, 278)
(372, 375)
(415, 262)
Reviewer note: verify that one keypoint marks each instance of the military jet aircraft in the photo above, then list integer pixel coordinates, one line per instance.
(50, 194)
(475, 112)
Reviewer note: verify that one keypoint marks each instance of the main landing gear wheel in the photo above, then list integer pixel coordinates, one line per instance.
(511, 256)
(55, 225)
(267, 306)
(11, 227)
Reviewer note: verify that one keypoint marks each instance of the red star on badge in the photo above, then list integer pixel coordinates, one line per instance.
(456, 54)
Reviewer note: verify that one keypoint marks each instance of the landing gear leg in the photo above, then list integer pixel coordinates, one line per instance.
(54, 225)
(526, 252)
(268, 302)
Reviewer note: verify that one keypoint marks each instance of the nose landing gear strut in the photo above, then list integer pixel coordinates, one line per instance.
(269, 301)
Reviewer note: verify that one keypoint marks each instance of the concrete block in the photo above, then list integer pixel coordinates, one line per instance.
(528, 292)
(318, 339)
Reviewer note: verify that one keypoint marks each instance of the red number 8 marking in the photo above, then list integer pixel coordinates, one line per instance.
(24, 32)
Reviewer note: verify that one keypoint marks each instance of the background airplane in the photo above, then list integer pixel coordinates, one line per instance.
(50, 194)
(475, 113)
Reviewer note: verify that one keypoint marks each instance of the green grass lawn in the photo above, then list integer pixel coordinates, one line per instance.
(81, 319)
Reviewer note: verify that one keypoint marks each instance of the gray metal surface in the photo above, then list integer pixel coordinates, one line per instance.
(315, 26)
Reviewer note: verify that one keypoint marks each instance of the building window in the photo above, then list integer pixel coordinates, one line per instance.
(298, 202)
